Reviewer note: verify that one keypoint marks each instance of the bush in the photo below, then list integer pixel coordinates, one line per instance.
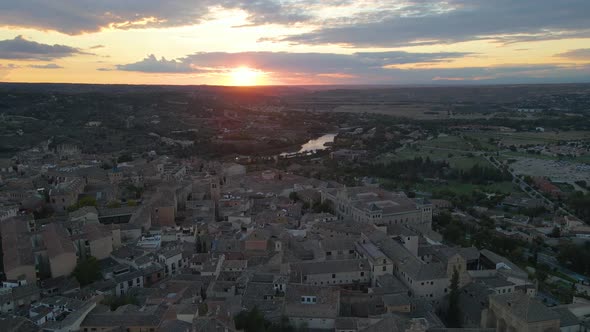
(87, 271)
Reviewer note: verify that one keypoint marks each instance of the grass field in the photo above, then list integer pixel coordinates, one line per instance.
(467, 188)
(530, 138)
(439, 149)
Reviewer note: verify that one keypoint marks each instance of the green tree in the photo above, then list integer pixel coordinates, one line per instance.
(251, 321)
(203, 292)
(87, 271)
(203, 309)
(453, 318)
(116, 301)
(114, 204)
(198, 245)
(254, 321)
(293, 196)
(556, 232)
(82, 202)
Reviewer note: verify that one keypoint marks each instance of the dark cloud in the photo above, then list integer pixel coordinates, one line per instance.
(22, 49)
(104, 69)
(75, 17)
(153, 65)
(287, 62)
(429, 22)
(579, 54)
(47, 66)
(96, 47)
(360, 68)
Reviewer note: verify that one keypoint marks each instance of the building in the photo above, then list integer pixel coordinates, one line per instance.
(426, 280)
(379, 207)
(66, 194)
(17, 249)
(129, 318)
(333, 272)
(172, 261)
(95, 240)
(312, 307)
(61, 252)
(18, 296)
(519, 312)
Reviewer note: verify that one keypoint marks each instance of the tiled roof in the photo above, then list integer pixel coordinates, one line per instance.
(524, 307)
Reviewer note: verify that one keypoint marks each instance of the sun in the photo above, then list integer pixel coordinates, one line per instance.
(244, 76)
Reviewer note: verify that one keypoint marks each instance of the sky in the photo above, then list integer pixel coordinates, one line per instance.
(295, 42)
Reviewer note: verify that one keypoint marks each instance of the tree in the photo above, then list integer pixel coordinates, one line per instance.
(251, 321)
(114, 204)
(203, 292)
(453, 318)
(198, 245)
(203, 309)
(293, 196)
(541, 273)
(87, 271)
(82, 202)
(124, 158)
(556, 232)
(254, 321)
(117, 301)
(131, 202)
(324, 207)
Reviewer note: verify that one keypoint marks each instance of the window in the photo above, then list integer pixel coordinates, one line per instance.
(333, 275)
(384, 268)
(362, 273)
(328, 253)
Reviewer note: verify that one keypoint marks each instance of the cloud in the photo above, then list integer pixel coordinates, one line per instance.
(152, 65)
(579, 54)
(96, 47)
(359, 68)
(325, 63)
(80, 16)
(104, 69)
(22, 49)
(5, 69)
(420, 22)
(47, 66)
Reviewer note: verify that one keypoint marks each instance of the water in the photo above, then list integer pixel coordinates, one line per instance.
(313, 145)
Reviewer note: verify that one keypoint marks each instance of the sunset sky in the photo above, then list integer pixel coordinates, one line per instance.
(241, 42)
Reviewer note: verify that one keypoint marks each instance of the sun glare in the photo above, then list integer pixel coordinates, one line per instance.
(245, 76)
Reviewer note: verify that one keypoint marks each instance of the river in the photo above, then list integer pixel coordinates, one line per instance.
(313, 145)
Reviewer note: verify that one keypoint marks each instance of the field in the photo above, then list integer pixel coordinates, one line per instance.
(530, 138)
(452, 149)
(467, 188)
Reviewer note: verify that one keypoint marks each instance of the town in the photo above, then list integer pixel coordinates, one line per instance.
(268, 209)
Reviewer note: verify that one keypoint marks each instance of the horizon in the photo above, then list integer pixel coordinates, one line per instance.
(295, 42)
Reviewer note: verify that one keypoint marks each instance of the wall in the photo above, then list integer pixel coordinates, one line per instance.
(313, 323)
(62, 265)
(342, 278)
(27, 270)
(255, 244)
(101, 248)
